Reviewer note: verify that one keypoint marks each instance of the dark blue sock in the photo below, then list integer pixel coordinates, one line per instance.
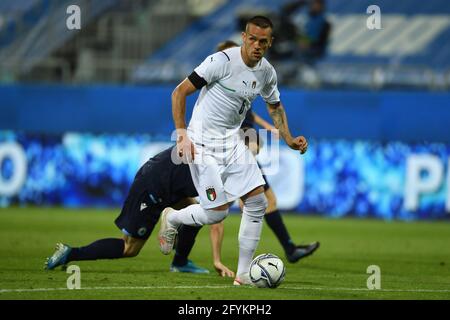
(101, 249)
(276, 223)
(185, 242)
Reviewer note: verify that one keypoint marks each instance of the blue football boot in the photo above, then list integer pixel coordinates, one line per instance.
(190, 267)
(59, 258)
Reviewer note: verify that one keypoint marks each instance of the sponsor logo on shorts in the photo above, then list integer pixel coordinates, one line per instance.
(211, 194)
(142, 231)
(143, 206)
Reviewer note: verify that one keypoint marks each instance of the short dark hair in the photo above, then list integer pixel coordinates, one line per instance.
(226, 45)
(260, 21)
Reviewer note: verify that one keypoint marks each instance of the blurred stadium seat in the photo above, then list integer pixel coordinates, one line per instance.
(36, 30)
(12, 7)
(15, 15)
(35, 44)
(411, 51)
(154, 41)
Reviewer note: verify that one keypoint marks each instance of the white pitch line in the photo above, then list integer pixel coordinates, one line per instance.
(365, 289)
(113, 288)
(226, 287)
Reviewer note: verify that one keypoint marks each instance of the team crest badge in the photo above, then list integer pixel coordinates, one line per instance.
(253, 84)
(211, 194)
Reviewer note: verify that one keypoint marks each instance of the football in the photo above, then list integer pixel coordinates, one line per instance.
(267, 271)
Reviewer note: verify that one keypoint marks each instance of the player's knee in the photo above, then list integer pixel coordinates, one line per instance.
(217, 215)
(271, 201)
(256, 205)
(132, 247)
(131, 251)
(271, 207)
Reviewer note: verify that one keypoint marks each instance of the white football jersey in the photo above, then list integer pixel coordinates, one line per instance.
(231, 88)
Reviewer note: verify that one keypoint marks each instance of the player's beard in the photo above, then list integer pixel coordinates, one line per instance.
(256, 56)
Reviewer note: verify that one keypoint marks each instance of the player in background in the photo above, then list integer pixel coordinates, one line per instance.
(225, 170)
(159, 183)
(272, 217)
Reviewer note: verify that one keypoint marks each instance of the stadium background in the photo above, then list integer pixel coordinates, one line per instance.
(82, 109)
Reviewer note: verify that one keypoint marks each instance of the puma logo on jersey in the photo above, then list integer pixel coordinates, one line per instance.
(246, 84)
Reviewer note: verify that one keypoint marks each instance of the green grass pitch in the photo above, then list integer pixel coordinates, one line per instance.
(414, 258)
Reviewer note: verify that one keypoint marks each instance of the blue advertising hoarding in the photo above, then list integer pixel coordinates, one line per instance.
(334, 178)
(377, 154)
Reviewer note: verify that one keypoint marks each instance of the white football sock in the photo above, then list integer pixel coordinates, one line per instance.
(195, 215)
(250, 230)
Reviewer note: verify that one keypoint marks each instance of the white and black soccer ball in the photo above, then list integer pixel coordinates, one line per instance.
(267, 271)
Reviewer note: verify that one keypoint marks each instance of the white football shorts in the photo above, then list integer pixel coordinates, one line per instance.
(223, 177)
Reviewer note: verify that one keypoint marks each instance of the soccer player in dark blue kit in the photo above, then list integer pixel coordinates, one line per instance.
(160, 182)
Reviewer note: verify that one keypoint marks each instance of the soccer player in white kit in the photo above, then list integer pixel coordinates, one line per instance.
(222, 167)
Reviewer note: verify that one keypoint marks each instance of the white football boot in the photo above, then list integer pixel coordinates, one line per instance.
(167, 233)
(242, 279)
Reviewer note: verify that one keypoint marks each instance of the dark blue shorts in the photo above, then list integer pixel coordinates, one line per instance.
(138, 216)
(139, 213)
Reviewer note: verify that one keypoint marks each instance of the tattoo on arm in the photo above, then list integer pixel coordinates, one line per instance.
(278, 119)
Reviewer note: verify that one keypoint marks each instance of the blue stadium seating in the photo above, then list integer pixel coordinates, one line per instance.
(35, 15)
(435, 54)
(7, 33)
(420, 38)
(16, 7)
(19, 17)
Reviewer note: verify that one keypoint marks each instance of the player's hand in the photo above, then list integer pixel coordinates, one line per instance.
(185, 148)
(222, 270)
(299, 143)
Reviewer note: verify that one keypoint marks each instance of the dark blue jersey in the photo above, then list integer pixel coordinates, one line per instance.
(249, 121)
(166, 182)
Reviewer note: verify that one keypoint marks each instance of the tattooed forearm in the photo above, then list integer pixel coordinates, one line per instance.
(277, 117)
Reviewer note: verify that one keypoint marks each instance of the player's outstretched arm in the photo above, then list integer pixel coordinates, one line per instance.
(264, 124)
(279, 118)
(216, 235)
(184, 144)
